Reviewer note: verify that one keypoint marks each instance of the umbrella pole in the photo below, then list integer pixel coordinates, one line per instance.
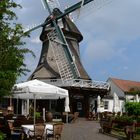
(17, 106)
(27, 107)
(34, 112)
(67, 117)
(44, 115)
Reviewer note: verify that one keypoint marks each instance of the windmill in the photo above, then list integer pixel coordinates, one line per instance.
(60, 59)
(59, 62)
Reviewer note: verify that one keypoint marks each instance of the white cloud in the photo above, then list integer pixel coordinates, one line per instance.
(117, 21)
(109, 28)
(98, 50)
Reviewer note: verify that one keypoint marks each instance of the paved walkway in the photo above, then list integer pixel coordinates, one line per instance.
(84, 130)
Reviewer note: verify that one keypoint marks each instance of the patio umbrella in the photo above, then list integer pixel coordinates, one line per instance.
(35, 89)
(98, 104)
(44, 114)
(116, 103)
(67, 109)
(137, 98)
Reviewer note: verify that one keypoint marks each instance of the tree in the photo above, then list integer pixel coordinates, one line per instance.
(134, 90)
(12, 50)
(132, 108)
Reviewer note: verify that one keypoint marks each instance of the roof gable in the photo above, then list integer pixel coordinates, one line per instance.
(125, 85)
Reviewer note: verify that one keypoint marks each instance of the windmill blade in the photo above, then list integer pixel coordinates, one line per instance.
(73, 8)
(52, 4)
(35, 26)
(77, 6)
(32, 27)
(82, 3)
(44, 4)
(96, 4)
(88, 9)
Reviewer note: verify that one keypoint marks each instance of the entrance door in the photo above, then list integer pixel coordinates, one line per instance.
(78, 106)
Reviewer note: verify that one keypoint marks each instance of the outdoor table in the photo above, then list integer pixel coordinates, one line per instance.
(50, 127)
(27, 128)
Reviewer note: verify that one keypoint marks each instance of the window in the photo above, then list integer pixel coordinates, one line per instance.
(106, 103)
(79, 106)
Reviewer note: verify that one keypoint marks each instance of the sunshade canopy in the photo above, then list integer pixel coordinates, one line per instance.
(39, 90)
(35, 89)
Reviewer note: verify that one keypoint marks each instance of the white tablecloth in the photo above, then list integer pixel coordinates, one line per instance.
(28, 127)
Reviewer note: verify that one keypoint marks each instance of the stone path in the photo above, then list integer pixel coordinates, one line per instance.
(84, 130)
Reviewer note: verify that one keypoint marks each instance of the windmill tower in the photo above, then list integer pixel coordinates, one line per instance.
(54, 62)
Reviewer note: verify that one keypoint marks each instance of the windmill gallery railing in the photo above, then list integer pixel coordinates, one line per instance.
(79, 83)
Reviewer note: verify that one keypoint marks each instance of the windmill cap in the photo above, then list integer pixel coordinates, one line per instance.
(69, 28)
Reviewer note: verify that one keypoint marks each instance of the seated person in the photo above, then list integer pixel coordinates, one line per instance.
(49, 116)
(4, 127)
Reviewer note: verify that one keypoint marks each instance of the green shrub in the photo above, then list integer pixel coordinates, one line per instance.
(37, 115)
(133, 108)
(122, 121)
(124, 118)
(2, 136)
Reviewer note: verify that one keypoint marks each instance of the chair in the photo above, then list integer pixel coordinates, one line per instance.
(76, 114)
(4, 127)
(57, 130)
(38, 133)
(130, 131)
(39, 120)
(9, 116)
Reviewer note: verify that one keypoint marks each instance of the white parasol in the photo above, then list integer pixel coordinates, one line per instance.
(116, 103)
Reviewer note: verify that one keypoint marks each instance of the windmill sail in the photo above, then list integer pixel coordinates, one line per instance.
(53, 4)
(94, 4)
(86, 8)
(62, 62)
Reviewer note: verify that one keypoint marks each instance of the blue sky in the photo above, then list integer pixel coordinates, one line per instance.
(111, 45)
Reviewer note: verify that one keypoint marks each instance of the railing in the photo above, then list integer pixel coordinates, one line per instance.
(79, 83)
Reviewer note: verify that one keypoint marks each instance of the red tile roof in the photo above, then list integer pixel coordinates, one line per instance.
(125, 85)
